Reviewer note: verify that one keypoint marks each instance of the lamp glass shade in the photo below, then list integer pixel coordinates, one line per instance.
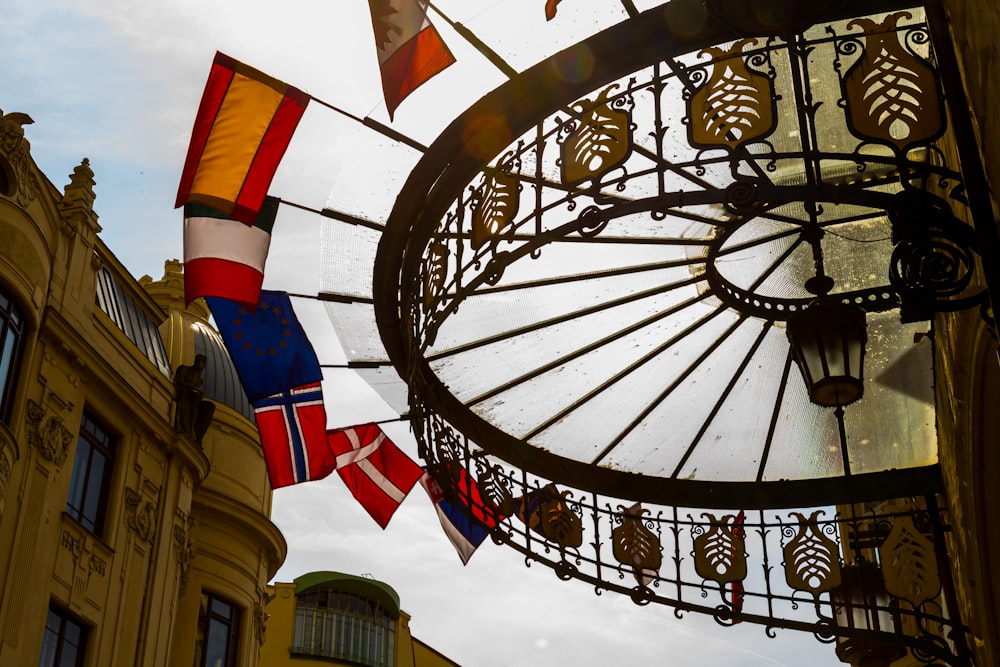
(828, 341)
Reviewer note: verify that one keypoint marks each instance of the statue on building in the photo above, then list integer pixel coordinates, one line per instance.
(193, 413)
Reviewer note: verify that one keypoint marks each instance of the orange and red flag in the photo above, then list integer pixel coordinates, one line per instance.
(244, 125)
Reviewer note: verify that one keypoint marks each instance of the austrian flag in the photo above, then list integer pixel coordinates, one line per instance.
(292, 428)
(378, 473)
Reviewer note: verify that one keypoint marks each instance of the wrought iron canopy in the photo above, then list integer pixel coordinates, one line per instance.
(589, 272)
(585, 286)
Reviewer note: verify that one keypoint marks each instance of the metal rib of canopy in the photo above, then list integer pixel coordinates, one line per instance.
(585, 280)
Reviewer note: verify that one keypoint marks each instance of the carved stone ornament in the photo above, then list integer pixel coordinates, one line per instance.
(260, 617)
(812, 560)
(16, 147)
(49, 436)
(72, 544)
(908, 563)
(5, 467)
(140, 517)
(634, 544)
(182, 555)
(719, 552)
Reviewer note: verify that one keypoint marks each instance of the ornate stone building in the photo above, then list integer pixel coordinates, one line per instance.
(122, 540)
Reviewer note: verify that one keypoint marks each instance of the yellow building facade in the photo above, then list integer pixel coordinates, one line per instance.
(339, 619)
(122, 540)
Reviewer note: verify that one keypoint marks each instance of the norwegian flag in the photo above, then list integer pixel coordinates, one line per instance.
(376, 471)
(292, 427)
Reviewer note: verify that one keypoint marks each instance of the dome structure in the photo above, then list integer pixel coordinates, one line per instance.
(187, 332)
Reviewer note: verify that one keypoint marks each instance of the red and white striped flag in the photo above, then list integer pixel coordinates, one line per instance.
(377, 472)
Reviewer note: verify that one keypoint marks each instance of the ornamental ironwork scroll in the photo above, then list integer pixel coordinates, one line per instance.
(546, 512)
(812, 560)
(693, 561)
(719, 553)
(597, 139)
(735, 105)
(891, 94)
(495, 203)
(908, 563)
(634, 544)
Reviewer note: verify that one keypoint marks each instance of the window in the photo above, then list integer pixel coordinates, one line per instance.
(88, 488)
(218, 632)
(344, 626)
(11, 339)
(65, 640)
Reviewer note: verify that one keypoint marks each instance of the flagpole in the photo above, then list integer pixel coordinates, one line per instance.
(336, 215)
(373, 124)
(477, 43)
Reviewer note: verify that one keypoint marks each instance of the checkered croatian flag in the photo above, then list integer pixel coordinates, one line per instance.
(292, 427)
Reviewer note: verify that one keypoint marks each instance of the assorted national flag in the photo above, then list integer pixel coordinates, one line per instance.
(463, 514)
(268, 347)
(241, 131)
(223, 257)
(410, 50)
(378, 473)
(292, 427)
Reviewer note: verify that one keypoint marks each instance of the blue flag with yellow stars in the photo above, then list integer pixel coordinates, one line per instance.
(269, 348)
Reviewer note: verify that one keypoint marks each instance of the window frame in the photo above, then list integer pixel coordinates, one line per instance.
(207, 616)
(344, 625)
(13, 328)
(66, 621)
(85, 504)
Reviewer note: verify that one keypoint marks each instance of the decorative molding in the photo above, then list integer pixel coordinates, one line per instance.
(260, 616)
(73, 544)
(5, 467)
(182, 555)
(16, 147)
(97, 564)
(50, 438)
(140, 517)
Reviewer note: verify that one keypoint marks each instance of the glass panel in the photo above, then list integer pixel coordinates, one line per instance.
(217, 648)
(92, 500)
(78, 480)
(221, 608)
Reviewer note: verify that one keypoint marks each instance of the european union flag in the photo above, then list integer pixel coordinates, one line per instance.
(269, 348)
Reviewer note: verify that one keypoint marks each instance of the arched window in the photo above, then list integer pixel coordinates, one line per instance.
(11, 342)
(344, 626)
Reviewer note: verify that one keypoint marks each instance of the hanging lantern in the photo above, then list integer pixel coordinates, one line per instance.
(828, 341)
(861, 602)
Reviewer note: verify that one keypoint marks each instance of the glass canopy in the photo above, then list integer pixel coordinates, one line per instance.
(579, 294)
(597, 278)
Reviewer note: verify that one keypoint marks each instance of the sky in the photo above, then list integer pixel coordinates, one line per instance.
(119, 81)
